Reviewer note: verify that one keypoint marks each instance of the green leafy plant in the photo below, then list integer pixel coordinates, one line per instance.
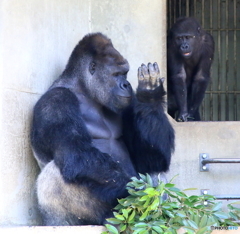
(145, 211)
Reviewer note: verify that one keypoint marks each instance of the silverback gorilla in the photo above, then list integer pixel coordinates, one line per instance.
(91, 134)
(190, 55)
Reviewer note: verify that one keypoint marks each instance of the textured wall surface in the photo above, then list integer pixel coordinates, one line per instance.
(37, 37)
(219, 140)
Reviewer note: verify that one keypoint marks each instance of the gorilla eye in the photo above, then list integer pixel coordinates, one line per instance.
(116, 74)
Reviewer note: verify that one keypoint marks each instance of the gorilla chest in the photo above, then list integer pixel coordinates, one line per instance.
(103, 126)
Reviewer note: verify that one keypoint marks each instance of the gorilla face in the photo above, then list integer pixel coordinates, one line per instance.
(185, 43)
(186, 35)
(107, 83)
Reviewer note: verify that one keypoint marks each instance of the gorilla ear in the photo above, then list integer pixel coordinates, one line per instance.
(92, 67)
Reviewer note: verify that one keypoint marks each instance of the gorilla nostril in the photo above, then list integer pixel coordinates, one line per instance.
(124, 85)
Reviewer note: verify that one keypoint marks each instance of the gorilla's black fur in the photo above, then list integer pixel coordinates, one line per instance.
(90, 134)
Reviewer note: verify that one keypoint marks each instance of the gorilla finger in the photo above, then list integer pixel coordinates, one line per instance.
(158, 82)
(155, 65)
(140, 74)
(145, 71)
(151, 69)
(153, 75)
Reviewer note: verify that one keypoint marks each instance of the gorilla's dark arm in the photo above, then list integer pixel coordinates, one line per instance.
(59, 131)
(202, 77)
(147, 132)
(177, 83)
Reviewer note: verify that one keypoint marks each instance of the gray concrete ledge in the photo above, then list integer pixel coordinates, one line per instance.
(76, 230)
(57, 230)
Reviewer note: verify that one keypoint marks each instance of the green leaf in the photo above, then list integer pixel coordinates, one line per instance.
(144, 215)
(142, 176)
(113, 221)
(125, 213)
(202, 230)
(150, 191)
(217, 206)
(131, 217)
(181, 194)
(160, 188)
(233, 216)
(170, 214)
(190, 189)
(155, 204)
(157, 229)
(193, 224)
(147, 203)
(195, 198)
(203, 221)
(149, 180)
(112, 229)
(144, 232)
(144, 198)
(120, 217)
(123, 227)
(138, 231)
(173, 178)
(140, 225)
(168, 185)
(196, 218)
(188, 203)
(181, 213)
(185, 223)
(174, 189)
(221, 215)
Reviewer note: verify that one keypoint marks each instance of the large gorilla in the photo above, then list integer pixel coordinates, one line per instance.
(90, 134)
(190, 55)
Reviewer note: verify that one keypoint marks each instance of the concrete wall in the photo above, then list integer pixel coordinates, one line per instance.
(37, 37)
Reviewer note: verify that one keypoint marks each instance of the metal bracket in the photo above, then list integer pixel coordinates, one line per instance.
(204, 161)
(203, 167)
(205, 192)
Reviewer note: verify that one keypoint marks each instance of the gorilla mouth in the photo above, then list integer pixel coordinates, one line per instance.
(124, 97)
(187, 54)
(125, 100)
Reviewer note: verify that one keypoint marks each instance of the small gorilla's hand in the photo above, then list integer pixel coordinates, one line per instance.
(185, 117)
(149, 77)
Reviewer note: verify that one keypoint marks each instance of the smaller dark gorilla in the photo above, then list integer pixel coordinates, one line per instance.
(190, 53)
(91, 134)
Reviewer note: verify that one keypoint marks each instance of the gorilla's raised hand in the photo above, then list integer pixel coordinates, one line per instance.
(150, 85)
